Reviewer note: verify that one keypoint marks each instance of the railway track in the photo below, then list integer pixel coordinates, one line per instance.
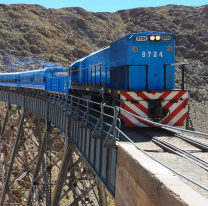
(201, 145)
(166, 146)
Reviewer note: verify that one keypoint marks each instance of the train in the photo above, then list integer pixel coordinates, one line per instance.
(136, 72)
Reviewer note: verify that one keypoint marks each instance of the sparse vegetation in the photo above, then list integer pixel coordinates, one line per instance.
(63, 35)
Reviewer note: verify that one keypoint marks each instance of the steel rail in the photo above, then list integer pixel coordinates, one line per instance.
(176, 150)
(198, 128)
(190, 140)
(174, 171)
(186, 154)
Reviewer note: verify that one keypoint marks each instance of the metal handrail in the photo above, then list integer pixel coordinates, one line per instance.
(198, 107)
(190, 180)
(162, 125)
(119, 131)
(198, 114)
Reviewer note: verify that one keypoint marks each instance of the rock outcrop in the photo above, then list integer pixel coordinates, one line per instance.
(63, 35)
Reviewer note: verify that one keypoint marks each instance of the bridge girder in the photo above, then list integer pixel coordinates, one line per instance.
(37, 153)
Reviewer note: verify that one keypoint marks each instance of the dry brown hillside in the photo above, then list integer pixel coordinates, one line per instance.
(63, 35)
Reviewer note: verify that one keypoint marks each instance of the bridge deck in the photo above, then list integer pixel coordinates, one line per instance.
(94, 134)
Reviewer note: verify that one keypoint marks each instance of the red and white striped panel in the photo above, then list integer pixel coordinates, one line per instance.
(178, 111)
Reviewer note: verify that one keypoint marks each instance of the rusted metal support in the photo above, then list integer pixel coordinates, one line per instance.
(74, 164)
(72, 174)
(48, 160)
(62, 173)
(83, 194)
(14, 152)
(35, 172)
(102, 193)
(39, 161)
(51, 164)
(15, 199)
(37, 124)
(23, 171)
(6, 119)
(63, 169)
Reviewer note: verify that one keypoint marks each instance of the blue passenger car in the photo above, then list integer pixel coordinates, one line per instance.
(38, 78)
(35, 79)
(9, 79)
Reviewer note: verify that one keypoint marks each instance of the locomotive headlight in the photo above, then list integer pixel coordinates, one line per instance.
(158, 38)
(152, 38)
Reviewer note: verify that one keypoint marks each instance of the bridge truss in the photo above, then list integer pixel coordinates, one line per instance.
(51, 154)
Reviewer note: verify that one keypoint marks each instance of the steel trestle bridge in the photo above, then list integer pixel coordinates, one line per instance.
(60, 136)
(72, 116)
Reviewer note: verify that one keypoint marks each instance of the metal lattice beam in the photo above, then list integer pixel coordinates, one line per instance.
(63, 170)
(5, 190)
(40, 158)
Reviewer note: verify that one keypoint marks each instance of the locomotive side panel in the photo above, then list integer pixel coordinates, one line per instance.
(119, 61)
(33, 79)
(91, 70)
(98, 64)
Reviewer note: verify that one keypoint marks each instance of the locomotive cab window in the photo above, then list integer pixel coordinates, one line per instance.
(74, 70)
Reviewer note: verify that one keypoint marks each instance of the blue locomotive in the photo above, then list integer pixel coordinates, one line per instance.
(136, 72)
(128, 63)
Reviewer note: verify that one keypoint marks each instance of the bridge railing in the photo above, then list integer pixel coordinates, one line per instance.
(91, 125)
(99, 146)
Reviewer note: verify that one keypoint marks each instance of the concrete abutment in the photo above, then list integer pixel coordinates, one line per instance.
(140, 181)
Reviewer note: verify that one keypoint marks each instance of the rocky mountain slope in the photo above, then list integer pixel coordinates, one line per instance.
(63, 35)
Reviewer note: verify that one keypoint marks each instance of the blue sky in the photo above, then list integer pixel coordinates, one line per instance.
(105, 5)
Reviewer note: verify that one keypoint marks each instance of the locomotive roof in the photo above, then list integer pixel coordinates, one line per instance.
(99, 50)
(147, 33)
(129, 35)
